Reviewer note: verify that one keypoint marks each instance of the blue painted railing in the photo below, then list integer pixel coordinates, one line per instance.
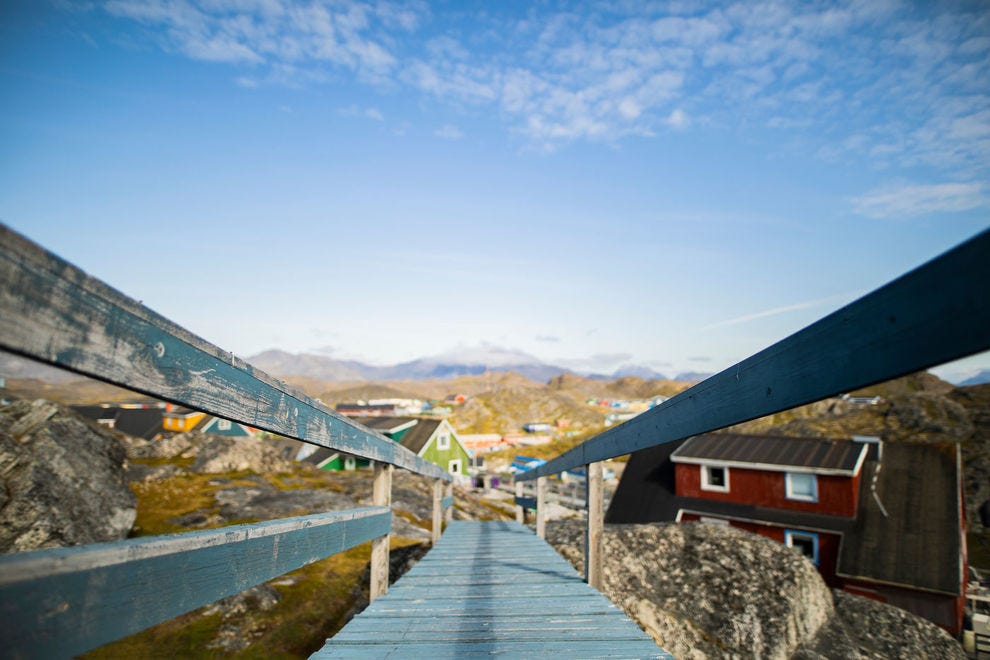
(62, 602)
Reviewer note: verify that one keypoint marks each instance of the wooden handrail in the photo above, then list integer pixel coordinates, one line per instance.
(53, 312)
(65, 601)
(936, 313)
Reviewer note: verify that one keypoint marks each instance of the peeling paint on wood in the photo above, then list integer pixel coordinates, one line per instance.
(53, 312)
(64, 601)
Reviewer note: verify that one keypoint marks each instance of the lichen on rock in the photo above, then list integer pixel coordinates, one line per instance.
(62, 480)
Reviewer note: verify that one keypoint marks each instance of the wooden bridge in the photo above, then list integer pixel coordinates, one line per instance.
(62, 602)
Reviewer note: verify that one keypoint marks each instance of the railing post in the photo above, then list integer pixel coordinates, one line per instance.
(593, 539)
(541, 509)
(437, 509)
(448, 515)
(381, 496)
(520, 510)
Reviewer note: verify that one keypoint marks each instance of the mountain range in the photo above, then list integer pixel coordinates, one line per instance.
(458, 362)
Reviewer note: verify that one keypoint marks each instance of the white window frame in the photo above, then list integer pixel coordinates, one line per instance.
(224, 425)
(455, 463)
(706, 482)
(350, 463)
(443, 441)
(800, 497)
(789, 535)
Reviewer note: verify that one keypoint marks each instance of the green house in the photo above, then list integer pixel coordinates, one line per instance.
(432, 439)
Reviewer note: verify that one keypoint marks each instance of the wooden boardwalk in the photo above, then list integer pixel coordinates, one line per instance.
(491, 588)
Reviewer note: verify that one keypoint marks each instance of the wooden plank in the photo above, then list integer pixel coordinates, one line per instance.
(53, 312)
(62, 602)
(381, 495)
(937, 313)
(541, 507)
(437, 510)
(448, 503)
(520, 510)
(491, 608)
(596, 526)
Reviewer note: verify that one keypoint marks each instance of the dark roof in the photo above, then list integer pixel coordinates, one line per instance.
(140, 422)
(181, 411)
(813, 454)
(96, 411)
(918, 542)
(416, 438)
(386, 424)
(382, 407)
(320, 455)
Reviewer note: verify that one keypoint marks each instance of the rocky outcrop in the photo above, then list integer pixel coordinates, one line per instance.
(63, 479)
(710, 591)
(218, 454)
(864, 628)
(707, 591)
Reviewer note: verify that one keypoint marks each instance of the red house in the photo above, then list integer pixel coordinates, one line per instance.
(881, 520)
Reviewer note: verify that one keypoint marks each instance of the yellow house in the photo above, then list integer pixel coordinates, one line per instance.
(181, 419)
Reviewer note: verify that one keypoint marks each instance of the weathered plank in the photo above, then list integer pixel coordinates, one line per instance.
(937, 313)
(381, 495)
(61, 602)
(53, 312)
(491, 588)
(595, 530)
(446, 502)
(541, 507)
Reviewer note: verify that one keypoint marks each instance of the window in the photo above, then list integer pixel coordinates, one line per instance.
(454, 467)
(223, 424)
(715, 477)
(804, 542)
(443, 442)
(350, 463)
(801, 486)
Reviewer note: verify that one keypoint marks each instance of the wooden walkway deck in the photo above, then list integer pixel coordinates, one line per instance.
(491, 588)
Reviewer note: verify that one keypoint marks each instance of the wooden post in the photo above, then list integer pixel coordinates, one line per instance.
(448, 515)
(520, 511)
(437, 509)
(593, 543)
(541, 507)
(381, 496)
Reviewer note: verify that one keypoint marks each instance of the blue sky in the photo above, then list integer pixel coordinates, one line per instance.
(677, 184)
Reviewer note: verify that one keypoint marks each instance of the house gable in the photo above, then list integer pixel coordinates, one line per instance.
(454, 456)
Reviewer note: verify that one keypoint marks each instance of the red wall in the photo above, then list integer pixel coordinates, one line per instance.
(943, 610)
(836, 495)
(828, 544)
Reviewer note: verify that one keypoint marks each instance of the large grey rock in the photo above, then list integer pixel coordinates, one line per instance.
(706, 591)
(864, 628)
(218, 454)
(62, 480)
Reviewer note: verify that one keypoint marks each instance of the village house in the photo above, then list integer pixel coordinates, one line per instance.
(878, 519)
(179, 419)
(431, 439)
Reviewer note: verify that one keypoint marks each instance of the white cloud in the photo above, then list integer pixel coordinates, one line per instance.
(910, 200)
(776, 311)
(912, 82)
(678, 119)
(449, 132)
